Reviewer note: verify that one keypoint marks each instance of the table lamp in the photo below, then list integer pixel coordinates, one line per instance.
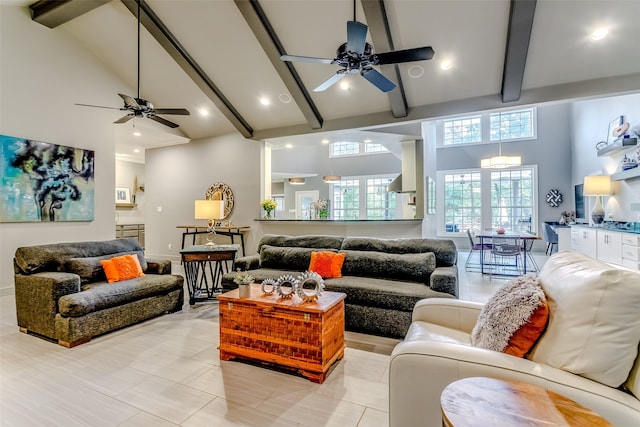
(210, 210)
(598, 186)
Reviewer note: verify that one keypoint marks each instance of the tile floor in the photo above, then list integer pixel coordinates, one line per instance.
(166, 372)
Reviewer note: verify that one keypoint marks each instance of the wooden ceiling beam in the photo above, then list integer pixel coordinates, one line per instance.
(172, 46)
(265, 34)
(383, 42)
(52, 13)
(515, 58)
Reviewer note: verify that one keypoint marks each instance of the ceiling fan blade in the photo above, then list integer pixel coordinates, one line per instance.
(99, 106)
(406, 55)
(331, 81)
(295, 58)
(174, 111)
(161, 120)
(356, 36)
(124, 119)
(378, 79)
(129, 101)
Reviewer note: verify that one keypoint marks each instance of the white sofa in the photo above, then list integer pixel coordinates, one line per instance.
(437, 351)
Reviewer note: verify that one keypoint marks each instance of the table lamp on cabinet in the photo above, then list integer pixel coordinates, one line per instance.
(210, 210)
(598, 186)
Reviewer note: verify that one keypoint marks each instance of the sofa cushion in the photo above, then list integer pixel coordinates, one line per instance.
(100, 295)
(32, 259)
(444, 249)
(288, 258)
(415, 267)
(513, 318)
(594, 326)
(382, 293)
(90, 270)
(326, 263)
(313, 242)
(121, 268)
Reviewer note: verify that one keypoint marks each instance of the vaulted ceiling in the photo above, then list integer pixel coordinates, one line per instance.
(224, 56)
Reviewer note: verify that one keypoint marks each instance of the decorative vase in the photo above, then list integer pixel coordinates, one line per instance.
(267, 215)
(244, 290)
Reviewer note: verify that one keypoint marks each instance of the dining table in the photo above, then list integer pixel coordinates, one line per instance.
(523, 237)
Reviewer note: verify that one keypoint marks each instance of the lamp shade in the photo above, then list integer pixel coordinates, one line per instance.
(500, 162)
(597, 185)
(331, 179)
(209, 209)
(297, 181)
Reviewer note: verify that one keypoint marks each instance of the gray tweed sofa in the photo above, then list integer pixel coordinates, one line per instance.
(382, 278)
(62, 293)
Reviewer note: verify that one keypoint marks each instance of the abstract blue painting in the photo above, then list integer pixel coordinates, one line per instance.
(40, 181)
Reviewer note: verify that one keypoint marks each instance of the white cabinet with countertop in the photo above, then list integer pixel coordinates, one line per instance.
(611, 246)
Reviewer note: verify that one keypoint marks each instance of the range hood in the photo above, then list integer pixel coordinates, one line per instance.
(395, 186)
(406, 181)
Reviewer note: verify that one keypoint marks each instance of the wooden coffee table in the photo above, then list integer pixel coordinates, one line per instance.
(502, 403)
(286, 333)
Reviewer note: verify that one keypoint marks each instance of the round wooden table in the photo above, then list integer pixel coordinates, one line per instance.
(480, 401)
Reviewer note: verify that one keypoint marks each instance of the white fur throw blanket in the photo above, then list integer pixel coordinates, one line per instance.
(506, 311)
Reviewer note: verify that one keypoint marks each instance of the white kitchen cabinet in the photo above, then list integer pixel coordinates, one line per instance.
(631, 251)
(609, 246)
(584, 240)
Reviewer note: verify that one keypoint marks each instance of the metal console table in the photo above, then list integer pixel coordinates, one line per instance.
(204, 266)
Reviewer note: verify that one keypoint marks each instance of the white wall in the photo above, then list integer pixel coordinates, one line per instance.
(176, 176)
(43, 72)
(590, 121)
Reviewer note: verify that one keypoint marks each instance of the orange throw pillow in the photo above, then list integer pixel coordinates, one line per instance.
(327, 264)
(524, 338)
(120, 268)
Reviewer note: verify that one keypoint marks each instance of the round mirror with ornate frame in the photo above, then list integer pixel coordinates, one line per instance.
(221, 191)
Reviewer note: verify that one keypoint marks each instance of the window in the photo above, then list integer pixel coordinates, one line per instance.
(364, 198)
(508, 125)
(370, 147)
(463, 130)
(462, 202)
(346, 199)
(380, 203)
(344, 148)
(338, 149)
(512, 199)
(481, 199)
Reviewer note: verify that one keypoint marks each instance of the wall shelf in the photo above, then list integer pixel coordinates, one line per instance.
(628, 174)
(125, 205)
(619, 145)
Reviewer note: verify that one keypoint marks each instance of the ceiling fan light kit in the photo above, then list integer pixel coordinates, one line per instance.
(356, 56)
(138, 107)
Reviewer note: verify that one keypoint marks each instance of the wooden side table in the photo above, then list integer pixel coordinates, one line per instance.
(204, 266)
(507, 403)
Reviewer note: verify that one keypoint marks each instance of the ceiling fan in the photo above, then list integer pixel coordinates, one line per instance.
(138, 107)
(357, 56)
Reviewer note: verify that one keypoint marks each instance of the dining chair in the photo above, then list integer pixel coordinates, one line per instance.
(475, 247)
(506, 254)
(551, 237)
(527, 246)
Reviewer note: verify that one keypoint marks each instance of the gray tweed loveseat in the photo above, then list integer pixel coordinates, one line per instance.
(62, 293)
(382, 278)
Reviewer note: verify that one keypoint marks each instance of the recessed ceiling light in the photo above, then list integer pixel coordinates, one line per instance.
(599, 34)
(325, 141)
(265, 101)
(344, 85)
(416, 71)
(446, 64)
(136, 150)
(289, 145)
(137, 133)
(284, 98)
(203, 112)
(367, 141)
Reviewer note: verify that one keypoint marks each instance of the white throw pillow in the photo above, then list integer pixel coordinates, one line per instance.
(594, 318)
